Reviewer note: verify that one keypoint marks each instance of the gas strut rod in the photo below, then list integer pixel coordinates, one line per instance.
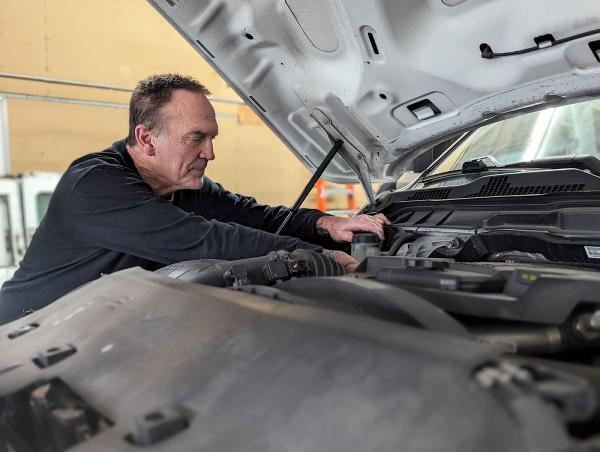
(311, 183)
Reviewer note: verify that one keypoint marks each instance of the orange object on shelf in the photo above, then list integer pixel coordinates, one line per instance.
(323, 193)
(351, 197)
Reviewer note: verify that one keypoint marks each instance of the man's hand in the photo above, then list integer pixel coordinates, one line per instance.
(341, 229)
(345, 260)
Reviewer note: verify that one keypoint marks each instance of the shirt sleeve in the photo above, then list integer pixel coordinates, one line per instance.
(216, 202)
(111, 209)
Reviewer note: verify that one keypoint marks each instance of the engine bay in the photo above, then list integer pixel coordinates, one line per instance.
(491, 303)
(519, 273)
(494, 312)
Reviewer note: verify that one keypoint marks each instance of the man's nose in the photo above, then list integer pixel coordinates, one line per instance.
(207, 151)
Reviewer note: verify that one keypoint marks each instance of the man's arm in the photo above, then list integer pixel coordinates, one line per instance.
(105, 212)
(215, 202)
(307, 224)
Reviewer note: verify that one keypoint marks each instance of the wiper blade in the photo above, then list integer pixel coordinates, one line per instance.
(444, 175)
(583, 162)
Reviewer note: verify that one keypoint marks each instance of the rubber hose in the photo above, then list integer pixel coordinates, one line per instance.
(400, 239)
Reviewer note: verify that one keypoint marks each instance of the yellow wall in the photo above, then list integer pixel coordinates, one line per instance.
(118, 42)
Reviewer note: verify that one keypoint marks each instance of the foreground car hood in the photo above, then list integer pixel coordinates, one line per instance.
(390, 77)
(245, 373)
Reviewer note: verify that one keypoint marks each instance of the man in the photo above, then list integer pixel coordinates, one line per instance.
(145, 202)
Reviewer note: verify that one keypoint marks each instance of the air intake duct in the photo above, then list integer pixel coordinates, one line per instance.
(263, 270)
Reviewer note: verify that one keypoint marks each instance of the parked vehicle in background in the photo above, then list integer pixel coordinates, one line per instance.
(23, 203)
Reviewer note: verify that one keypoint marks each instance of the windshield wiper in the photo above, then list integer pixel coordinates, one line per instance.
(478, 165)
(584, 162)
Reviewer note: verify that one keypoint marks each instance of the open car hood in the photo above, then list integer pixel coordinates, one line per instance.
(391, 78)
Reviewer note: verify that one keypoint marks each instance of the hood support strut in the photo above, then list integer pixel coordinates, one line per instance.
(311, 183)
(352, 155)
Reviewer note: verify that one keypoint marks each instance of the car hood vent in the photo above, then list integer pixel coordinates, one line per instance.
(430, 194)
(501, 186)
(567, 180)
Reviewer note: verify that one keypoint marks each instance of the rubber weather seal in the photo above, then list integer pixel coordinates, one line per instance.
(542, 42)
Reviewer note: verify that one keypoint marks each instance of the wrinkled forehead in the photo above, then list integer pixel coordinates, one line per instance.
(188, 109)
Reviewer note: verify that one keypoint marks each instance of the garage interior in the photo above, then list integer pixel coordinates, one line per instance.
(66, 74)
(457, 310)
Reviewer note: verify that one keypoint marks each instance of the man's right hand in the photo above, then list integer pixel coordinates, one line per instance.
(345, 260)
(342, 229)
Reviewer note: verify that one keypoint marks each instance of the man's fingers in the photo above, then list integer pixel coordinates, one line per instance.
(382, 217)
(340, 229)
(379, 219)
(347, 261)
(369, 219)
(367, 225)
(350, 267)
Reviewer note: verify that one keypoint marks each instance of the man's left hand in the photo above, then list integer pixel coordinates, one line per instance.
(341, 229)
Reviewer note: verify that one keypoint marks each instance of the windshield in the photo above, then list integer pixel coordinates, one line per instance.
(571, 130)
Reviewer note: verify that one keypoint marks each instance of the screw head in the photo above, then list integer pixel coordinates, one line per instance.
(595, 320)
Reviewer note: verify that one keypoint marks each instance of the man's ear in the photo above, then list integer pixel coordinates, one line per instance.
(144, 138)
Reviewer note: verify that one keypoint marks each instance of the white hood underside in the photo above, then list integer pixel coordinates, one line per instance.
(373, 72)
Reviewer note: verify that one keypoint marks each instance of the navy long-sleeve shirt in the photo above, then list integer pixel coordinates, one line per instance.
(103, 218)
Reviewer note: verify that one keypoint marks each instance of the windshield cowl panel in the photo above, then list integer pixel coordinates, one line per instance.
(455, 178)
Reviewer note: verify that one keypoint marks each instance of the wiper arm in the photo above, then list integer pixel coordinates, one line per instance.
(470, 166)
(477, 165)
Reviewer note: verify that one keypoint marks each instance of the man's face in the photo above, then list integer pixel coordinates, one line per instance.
(184, 146)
